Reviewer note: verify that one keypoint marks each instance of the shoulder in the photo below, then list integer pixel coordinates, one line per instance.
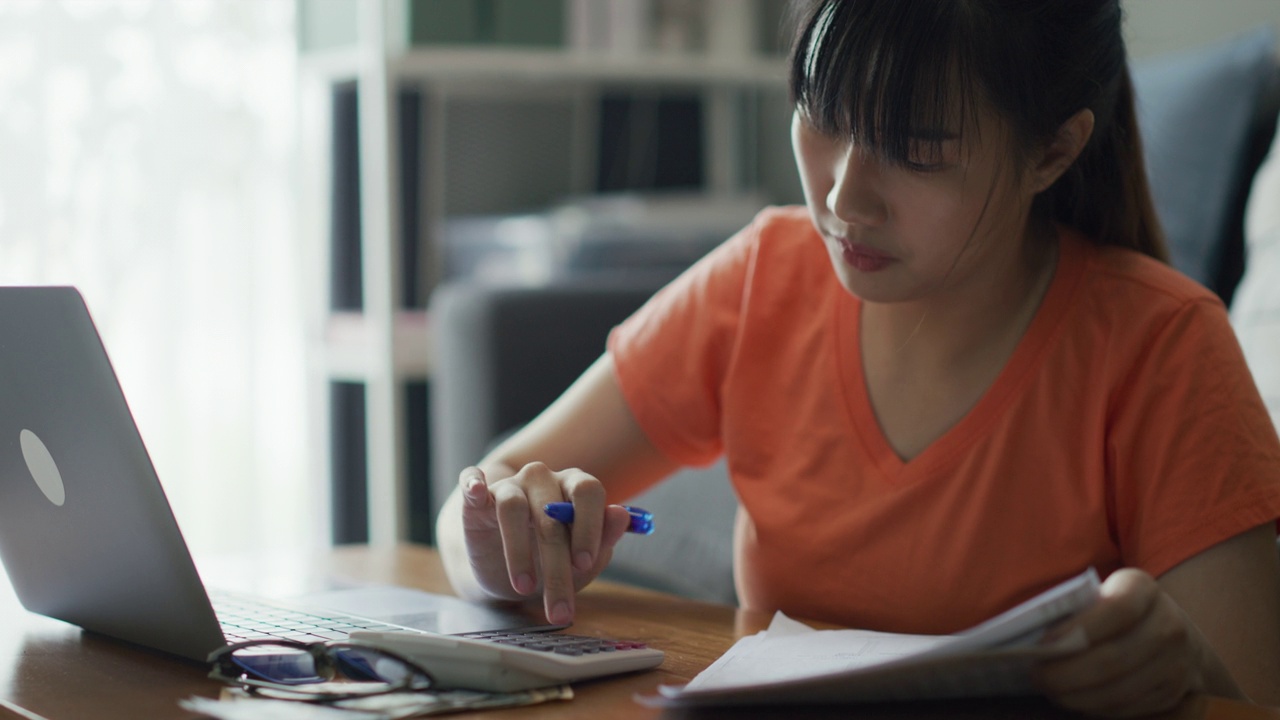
(776, 252)
(786, 230)
(1132, 276)
(784, 247)
(762, 259)
(1149, 334)
(1128, 291)
(1132, 321)
(785, 222)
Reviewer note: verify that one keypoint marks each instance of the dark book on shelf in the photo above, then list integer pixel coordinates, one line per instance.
(346, 285)
(650, 141)
(417, 431)
(415, 274)
(535, 23)
(348, 462)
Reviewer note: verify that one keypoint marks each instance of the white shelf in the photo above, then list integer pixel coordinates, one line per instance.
(383, 347)
(466, 66)
(351, 349)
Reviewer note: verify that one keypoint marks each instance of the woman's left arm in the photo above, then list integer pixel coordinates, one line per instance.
(1209, 625)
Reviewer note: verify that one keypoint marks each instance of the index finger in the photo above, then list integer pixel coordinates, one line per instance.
(553, 553)
(525, 520)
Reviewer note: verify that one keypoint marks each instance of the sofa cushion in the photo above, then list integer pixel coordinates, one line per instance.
(1255, 311)
(1195, 111)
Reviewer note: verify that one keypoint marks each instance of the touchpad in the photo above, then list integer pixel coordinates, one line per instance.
(422, 610)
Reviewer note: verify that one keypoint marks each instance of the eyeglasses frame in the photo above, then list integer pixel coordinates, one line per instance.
(326, 668)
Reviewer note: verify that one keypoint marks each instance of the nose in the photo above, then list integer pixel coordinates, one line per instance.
(856, 197)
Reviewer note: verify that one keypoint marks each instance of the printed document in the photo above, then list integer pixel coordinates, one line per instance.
(793, 663)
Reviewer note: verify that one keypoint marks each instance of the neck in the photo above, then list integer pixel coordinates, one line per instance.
(979, 316)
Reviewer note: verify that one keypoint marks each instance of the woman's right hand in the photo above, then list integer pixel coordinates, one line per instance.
(517, 551)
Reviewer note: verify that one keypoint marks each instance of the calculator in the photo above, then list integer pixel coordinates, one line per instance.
(512, 660)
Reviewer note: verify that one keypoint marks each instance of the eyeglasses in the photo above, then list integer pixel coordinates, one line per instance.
(321, 671)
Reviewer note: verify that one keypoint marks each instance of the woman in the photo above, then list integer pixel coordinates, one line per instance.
(961, 374)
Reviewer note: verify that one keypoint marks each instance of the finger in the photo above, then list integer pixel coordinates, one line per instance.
(616, 522)
(1136, 695)
(1160, 698)
(1124, 600)
(1105, 664)
(477, 504)
(513, 521)
(587, 495)
(1098, 666)
(475, 491)
(553, 545)
(1148, 668)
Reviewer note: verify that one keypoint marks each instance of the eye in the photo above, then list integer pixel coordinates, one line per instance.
(924, 167)
(927, 156)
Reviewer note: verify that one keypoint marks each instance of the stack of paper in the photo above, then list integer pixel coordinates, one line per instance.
(793, 663)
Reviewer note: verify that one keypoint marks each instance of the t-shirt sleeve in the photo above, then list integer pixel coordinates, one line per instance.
(1194, 456)
(672, 355)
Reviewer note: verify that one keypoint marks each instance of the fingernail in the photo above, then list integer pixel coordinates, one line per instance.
(561, 614)
(583, 560)
(524, 584)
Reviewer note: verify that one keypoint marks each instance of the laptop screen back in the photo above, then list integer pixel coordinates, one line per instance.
(86, 534)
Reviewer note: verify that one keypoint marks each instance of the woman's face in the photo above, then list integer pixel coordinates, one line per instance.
(902, 231)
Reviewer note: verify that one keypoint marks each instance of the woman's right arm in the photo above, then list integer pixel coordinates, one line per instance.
(586, 448)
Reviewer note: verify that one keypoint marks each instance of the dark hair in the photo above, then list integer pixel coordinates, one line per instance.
(887, 73)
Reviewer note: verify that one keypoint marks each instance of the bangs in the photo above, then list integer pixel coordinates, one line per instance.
(886, 75)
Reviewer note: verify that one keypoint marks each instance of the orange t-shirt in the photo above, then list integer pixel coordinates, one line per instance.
(1125, 430)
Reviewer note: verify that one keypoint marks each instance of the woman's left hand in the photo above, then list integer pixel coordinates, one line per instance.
(1144, 654)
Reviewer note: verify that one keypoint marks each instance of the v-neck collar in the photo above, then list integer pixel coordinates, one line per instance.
(1026, 358)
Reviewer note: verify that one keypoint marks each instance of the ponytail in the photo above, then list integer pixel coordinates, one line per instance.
(1106, 194)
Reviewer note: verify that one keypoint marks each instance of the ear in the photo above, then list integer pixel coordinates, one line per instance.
(1063, 150)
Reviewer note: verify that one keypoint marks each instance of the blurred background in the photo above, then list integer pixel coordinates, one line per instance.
(257, 198)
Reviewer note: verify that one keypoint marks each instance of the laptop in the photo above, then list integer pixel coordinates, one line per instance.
(87, 535)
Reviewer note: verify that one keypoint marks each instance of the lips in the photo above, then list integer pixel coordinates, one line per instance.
(863, 257)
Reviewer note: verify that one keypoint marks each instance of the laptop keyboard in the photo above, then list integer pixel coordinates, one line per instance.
(244, 618)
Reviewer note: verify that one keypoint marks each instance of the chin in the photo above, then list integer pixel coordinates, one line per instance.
(868, 288)
(879, 289)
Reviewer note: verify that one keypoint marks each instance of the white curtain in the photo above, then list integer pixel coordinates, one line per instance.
(147, 155)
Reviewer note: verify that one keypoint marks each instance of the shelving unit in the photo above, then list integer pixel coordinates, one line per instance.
(367, 351)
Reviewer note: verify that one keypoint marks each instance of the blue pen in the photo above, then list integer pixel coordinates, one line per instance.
(641, 519)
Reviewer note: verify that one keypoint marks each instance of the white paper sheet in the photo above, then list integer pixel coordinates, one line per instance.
(791, 662)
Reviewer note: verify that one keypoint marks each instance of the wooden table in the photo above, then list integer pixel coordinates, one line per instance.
(51, 670)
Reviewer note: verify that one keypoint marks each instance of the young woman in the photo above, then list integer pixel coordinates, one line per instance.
(960, 375)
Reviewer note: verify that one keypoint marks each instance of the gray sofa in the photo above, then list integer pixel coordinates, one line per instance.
(504, 352)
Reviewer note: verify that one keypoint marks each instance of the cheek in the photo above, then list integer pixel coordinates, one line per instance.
(930, 201)
(815, 178)
(815, 159)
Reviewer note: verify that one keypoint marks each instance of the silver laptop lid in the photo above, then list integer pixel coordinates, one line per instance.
(86, 533)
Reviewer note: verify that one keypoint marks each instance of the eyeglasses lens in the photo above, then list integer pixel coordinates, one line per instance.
(364, 664)
(291, 665)
(278, 664)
